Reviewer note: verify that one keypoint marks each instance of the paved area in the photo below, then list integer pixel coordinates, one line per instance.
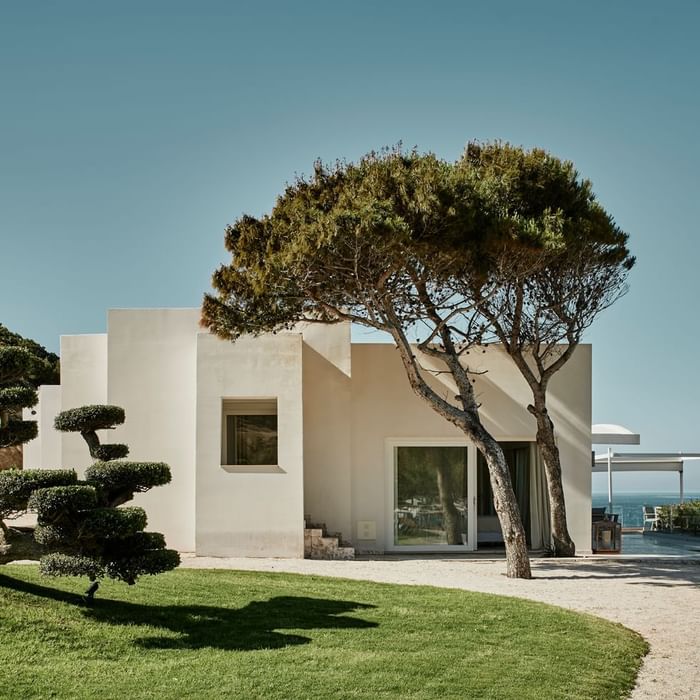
(658, 598)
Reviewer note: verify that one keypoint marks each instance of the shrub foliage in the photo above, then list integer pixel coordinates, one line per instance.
(17, 486)
(81, 528)
(88, 418)
(24, 365)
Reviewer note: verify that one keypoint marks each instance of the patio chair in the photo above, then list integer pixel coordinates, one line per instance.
(598, 514)
(651, 516)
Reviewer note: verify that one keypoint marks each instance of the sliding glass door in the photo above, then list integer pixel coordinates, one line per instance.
(432, 496)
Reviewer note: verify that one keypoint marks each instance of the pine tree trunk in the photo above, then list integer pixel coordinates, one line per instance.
(468, 421)
(563, 544)
(506, 505)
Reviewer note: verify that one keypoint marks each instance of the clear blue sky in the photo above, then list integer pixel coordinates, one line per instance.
(131, 133)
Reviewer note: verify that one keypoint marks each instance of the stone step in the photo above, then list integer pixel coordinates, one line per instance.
(318, 544)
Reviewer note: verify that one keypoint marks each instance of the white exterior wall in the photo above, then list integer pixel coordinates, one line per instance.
(44, 451)
(337, 406)
(83, 382)
(327, 426)
(570, 400)
(384, 406)
(151, 375)
(249, 511)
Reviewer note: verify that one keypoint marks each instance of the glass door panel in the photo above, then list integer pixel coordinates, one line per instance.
(430, 496)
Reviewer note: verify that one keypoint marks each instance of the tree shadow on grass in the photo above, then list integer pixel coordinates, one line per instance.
(254, 626)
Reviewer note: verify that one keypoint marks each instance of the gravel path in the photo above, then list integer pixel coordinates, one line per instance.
(658, 599)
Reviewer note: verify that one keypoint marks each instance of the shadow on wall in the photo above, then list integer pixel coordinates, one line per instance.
(251, 627)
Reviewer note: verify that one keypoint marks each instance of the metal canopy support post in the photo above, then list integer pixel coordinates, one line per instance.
(610, 480)
(680, 479)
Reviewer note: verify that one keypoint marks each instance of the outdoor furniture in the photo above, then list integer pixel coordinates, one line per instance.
(651, 516)
(606, 532)
(597, 514)
(606, 536)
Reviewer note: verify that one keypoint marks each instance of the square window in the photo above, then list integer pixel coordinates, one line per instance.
(250, 432)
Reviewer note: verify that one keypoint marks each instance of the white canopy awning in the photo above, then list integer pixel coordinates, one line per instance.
(611, 434)
(644, 461)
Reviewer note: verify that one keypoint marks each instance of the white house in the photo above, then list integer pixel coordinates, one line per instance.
(265, 431)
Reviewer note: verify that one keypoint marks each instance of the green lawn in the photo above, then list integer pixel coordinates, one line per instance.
(229, 634)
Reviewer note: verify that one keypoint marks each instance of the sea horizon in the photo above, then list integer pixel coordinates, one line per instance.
(673, 494)
(629, 505)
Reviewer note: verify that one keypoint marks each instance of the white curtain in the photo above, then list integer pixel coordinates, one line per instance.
(540, 530)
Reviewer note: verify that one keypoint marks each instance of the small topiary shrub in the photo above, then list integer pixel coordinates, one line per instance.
(81, 531)
(20, 372)
(61, 502)
(109, 452)
(57, 564)
(133, 564)
(119, 480)
(113, 523)
(17, 396)
(17, 432)
(89, 418)
(17, 485)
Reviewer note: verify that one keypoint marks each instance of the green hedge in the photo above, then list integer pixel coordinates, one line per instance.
(16, 397)
(685, 516)
(89, 418)
(55, 536)
(17, 485)
(15, 363)
(108, 452)
(56, 564)
(17, 432)
(139, 543)
(151, 562)
(121, 475)
(54, 504)
(106, 523)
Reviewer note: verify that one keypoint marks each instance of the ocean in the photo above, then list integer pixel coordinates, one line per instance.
(629, 505)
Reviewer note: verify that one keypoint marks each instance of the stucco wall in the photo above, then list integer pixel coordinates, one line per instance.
(246, 511)
(44, 452)
(327, 428)
(83, 382)
(152, 371)
(337, 406)
(383, 406)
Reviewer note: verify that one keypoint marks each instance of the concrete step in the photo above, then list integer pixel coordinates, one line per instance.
(318, 544)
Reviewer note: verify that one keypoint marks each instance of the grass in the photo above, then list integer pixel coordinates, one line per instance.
(229, 634)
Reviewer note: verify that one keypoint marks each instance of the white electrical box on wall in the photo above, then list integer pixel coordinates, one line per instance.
(366, 530)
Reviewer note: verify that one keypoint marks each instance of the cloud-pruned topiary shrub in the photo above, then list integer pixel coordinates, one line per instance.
(87, 420)
(82, 527)
(17, 365)
(24, 365)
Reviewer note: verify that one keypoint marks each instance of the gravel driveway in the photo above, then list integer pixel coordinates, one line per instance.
(658, 599)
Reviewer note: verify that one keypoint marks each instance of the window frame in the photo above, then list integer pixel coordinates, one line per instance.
(390, 447)
(247, 406)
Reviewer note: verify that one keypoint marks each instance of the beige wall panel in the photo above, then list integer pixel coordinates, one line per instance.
(83, 382)
(383, 406)
(327, 426)
(241, 512)
(152, 373)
